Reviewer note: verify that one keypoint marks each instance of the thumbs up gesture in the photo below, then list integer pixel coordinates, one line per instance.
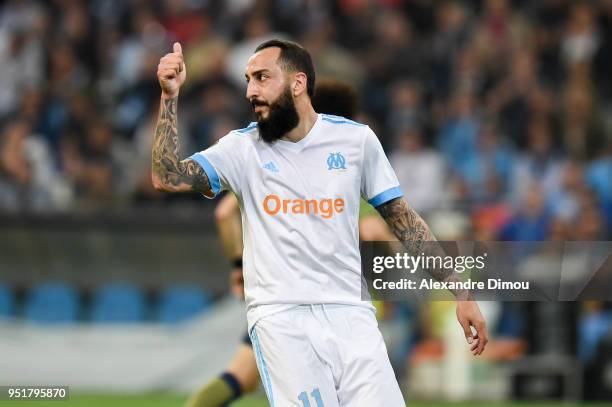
(171, 72)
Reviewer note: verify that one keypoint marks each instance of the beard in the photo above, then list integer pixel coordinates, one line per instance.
(282, 117)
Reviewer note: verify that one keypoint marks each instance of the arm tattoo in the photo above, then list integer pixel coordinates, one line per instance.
(413, 232)
(173, 174)
(406, 224)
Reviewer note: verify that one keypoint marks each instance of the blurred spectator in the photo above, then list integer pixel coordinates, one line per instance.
(420, 172)
(396, 54)
(590, 225)
(457, 138)
(207, 53)
(91, 163)
(581, 39)
(582, 129)
(329, 58)
(539, 167)
(67, 74)
(603, 59)
(500, 30)
(511, 97)
(214, 103)
(565, 201)
(182, 20)
(257, 29)
(532, 220)
(28, 180)
(406, 109)
(487, 173)
(467, 73)
(145, 32)
(598, 177)
(596, 324)
(21, 51)
(451, 34)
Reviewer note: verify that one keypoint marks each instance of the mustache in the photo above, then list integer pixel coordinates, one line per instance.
(256, 103)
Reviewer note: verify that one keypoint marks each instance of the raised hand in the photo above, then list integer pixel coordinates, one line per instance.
(168, 172)
(171, 72)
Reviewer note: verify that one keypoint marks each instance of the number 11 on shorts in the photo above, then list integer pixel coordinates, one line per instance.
(316, 394)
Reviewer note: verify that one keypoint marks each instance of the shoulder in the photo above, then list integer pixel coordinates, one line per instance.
(250, 129)
(350, 130)
(240, 137)
(340, 121)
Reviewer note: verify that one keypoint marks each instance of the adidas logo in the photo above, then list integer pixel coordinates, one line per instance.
(271, 166)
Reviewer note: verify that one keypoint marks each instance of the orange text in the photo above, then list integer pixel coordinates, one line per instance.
(326, 208)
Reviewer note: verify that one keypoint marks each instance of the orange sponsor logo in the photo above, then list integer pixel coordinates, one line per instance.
(325, 207)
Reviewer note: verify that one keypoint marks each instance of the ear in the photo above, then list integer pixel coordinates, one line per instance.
(300, 84)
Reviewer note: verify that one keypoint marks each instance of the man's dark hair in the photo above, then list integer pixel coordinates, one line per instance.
(293, 58)
(335, 97)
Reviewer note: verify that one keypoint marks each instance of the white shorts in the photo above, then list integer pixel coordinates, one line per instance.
(324, 356)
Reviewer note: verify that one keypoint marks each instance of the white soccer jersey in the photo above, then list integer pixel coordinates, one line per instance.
(300, 209)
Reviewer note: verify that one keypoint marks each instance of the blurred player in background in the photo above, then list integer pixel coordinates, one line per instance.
(299, 176)
(241, 376)
(332, 97)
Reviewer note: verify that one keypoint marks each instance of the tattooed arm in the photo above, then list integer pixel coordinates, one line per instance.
(168, 172)
(414, 233)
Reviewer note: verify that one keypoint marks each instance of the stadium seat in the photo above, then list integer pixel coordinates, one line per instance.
(51, 303)
(182, 301)
(7, 301)
(118, 303)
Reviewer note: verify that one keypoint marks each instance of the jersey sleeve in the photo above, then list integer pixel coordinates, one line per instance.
(222, 163)
(379, 183)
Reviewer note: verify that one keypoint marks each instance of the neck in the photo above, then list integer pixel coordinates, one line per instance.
(308, 117)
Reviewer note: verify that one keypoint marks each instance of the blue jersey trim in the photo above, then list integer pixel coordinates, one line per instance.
(213, 177)
(386, 196)
(340, 120)
(265, 375)
(250, 127)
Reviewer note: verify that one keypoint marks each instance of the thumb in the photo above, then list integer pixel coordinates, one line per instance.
(177, 48)
(467, 331)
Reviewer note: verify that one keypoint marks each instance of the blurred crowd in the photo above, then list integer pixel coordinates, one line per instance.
(496, 114)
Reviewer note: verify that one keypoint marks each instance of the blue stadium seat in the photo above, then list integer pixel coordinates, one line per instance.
(51, 303)
(7, 301)
(182, 301)
(118, 303)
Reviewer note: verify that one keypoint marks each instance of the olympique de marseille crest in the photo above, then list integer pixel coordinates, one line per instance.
(336, 161)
